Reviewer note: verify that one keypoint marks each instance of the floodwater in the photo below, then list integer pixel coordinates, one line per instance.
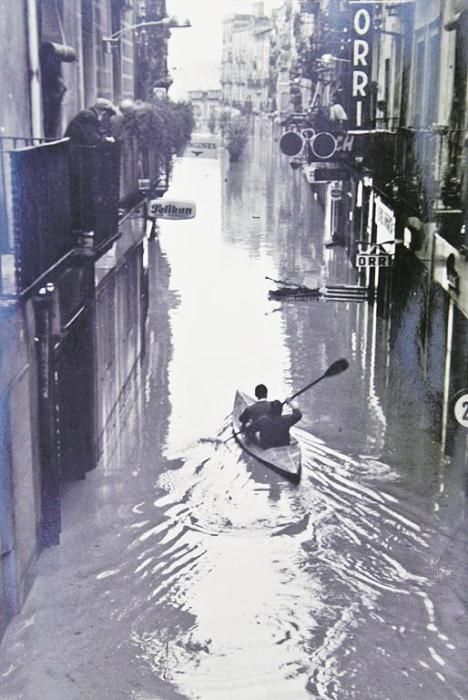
(189, 571)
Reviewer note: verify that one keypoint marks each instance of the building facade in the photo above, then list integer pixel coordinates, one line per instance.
(71, 265)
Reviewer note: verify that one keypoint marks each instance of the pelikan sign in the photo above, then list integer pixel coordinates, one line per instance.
(362, 64)
(171, 209)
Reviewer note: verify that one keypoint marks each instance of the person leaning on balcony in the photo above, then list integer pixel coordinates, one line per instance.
(126, 109)
(92, 126)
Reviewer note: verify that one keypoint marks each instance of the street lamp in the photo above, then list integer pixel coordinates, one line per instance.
(170, 22)
(328, 58)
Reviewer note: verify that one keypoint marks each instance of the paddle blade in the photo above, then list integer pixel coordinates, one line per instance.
(337, 367)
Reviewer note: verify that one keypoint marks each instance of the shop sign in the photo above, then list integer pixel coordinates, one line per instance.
(324, 145)
(373, 260)
(362, 30)
(385, 221)
(171, 209)
(375, 255)
(329, 174)
(450, 270)
(291, 143)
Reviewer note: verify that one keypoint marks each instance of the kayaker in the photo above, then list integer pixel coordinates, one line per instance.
(260, 408)
(273, 427)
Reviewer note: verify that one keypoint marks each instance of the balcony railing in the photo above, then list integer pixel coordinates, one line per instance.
(37, 181)
(95, 190)
(50, 194)
(418, 168)
(8, 144)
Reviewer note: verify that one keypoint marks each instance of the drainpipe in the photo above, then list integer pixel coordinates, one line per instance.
(34, 68)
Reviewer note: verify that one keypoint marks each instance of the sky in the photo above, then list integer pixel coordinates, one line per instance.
(195, 53)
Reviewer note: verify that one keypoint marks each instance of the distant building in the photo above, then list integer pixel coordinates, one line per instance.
(246, 60)
(206, 108)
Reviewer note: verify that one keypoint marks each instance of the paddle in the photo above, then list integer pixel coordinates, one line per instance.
(334, 369)
(285, 284)
(291, 285)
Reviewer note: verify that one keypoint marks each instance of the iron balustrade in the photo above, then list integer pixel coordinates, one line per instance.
(95, 191)
(40, 208)
(50, 194)
(418, 168)
(7, 145)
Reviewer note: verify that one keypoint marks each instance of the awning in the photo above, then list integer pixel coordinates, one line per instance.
(59, 52)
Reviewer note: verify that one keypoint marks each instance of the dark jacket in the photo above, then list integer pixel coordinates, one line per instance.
(254, 411)
(274, 430)
(85, 129)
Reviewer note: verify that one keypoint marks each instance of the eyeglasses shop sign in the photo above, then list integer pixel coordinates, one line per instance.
(171, 209)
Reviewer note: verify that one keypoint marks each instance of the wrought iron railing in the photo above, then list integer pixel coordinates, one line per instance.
(95, 190)
(40, 207)
(418, 168)
(7, 145)
(50, 194)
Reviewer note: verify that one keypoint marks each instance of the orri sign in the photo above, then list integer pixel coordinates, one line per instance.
(171, 209)
(362, 29)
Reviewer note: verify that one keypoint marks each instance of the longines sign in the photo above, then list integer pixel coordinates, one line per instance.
(362, 30)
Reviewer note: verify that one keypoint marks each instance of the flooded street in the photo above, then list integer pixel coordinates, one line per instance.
(187, 570)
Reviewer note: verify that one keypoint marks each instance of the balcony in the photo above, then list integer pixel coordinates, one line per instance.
(35, 209)
(51, 194)
(95, 192)
(420, 168)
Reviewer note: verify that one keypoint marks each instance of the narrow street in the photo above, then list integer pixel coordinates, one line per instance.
(187, 570)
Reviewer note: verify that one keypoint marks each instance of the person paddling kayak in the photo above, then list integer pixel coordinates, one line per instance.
(260, 408)
(273, 428)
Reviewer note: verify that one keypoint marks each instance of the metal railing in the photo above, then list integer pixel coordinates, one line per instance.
(95, 190)
(7, 145)
(50, 194)
(40, 208)
(418, 167)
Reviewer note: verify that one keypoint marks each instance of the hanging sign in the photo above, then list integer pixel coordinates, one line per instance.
(385, 221)
(291, 143)
(362, 29)
(374, 256)
(373, 260)
(171, 209)
(324, 145)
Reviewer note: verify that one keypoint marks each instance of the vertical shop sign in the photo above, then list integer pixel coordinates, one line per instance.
(362, 32)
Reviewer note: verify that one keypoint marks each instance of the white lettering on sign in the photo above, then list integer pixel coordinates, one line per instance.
(360, 81)
(362, 25)
(169, 209)
(362, 21)
(360, 52)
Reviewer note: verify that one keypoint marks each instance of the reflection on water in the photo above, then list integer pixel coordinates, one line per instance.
(245, 586)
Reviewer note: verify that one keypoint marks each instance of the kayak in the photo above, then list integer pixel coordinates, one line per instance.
(283, 460)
